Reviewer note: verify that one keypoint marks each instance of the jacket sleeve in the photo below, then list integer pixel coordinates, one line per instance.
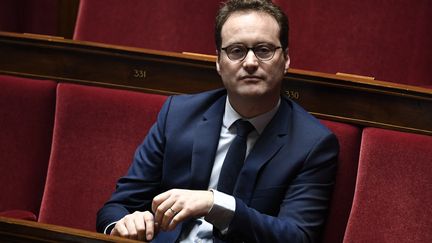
(135, 191)
(304, 206)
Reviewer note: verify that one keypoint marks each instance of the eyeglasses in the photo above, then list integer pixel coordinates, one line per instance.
(238, 52)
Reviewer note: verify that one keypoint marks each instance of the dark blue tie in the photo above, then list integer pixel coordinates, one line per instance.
(234, 158)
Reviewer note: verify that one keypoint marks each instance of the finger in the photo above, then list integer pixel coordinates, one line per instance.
(161, 210)
(149, 225)
(160, 199)
(140, 228)
(119, 230)
(179, 217)
(115, 232)
(130, 226)
(168, 217)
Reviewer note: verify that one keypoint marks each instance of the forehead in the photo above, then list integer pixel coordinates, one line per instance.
(250, 27)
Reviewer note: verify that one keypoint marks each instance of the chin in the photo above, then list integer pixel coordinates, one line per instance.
(252, 92)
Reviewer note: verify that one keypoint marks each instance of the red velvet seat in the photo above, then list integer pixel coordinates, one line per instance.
(96, 132)
(154, 24)
(370, 38)
(392, 201)
(349, 137)
(26, 121)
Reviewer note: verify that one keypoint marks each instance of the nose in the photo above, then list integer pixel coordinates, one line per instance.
(250, 63)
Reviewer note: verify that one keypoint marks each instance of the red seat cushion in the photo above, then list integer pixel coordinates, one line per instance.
(19, 214)
(394, 189)
(349, 137)
(26, 123)
(96, 132)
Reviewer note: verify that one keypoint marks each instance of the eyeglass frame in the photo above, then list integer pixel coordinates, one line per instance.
(253, 49)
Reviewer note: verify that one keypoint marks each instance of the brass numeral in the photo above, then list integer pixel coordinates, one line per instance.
(295, 95)
(139, 73)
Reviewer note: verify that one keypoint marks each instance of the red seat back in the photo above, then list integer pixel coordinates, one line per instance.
(394, 189)
(349, 137)
(168, 25)
(26, 121)
(370, 38)
(96, 132)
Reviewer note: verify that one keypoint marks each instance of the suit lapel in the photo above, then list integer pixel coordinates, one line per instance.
(206, 139)
(268, 144)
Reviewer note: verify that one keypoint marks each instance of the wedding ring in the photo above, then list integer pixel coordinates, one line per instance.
(172, 210)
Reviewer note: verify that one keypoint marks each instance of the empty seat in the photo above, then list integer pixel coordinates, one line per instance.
(168, 25)
(96, 132)
(349, 137)
(26, 121)
(394, 189)
(373, 41)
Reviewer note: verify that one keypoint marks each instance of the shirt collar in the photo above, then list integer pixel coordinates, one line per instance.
(259, 122)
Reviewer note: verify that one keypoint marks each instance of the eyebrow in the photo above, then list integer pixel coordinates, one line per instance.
(256, 44)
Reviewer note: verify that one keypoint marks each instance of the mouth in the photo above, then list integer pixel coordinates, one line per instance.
(251, 78)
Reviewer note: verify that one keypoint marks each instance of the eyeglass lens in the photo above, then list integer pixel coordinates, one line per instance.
(263, 52)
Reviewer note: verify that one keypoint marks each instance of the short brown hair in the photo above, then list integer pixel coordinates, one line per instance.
(266, 6)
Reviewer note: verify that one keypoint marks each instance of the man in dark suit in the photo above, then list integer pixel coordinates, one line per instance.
(240, 164)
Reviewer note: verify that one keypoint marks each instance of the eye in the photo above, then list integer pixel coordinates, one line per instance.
(263, 49)
(235, 50)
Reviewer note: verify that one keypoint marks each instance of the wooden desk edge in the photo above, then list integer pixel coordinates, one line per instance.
(24, 229)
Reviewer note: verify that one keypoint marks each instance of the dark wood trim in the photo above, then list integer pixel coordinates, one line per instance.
(16, 230)
(347, 99)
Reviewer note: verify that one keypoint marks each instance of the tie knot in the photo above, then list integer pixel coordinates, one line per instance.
(243, 128)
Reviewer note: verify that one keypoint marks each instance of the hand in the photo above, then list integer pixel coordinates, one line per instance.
(177, 205)
(136, 226)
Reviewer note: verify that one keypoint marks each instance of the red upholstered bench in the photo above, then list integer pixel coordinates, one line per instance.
(96, 132)
(26, 123)
(394, 189)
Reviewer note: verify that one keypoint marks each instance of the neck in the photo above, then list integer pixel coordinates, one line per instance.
(251, 107)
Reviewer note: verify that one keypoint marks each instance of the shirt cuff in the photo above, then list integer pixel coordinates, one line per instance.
(222, 211)
(109, 228)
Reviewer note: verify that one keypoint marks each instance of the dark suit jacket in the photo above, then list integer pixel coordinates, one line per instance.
(282, 191)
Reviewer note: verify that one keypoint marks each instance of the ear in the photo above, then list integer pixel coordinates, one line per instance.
(287, 61)
(217, 61)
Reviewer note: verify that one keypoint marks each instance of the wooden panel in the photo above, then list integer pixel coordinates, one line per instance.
(66, 60)
(368, 103)
(15, 230)
(348, 99)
